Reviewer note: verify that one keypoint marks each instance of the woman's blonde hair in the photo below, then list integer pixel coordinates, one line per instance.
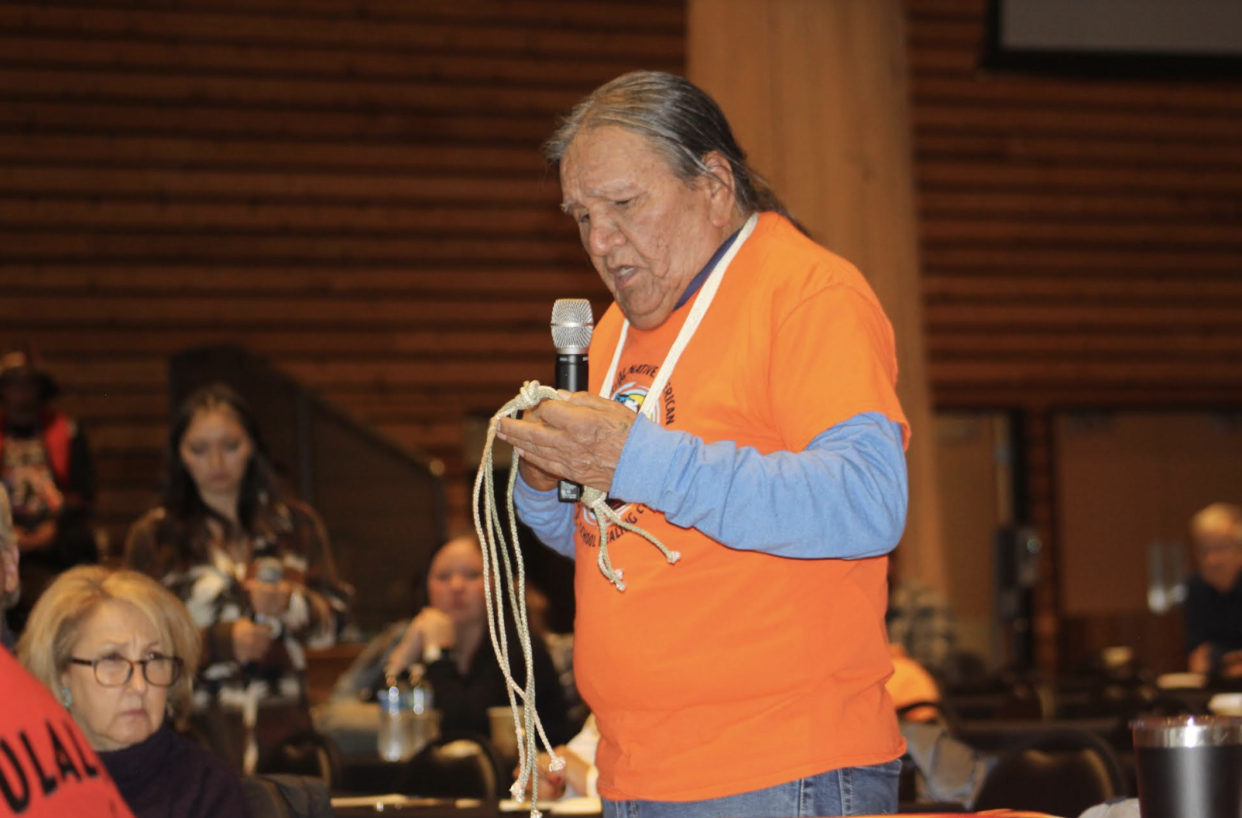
(54, 624)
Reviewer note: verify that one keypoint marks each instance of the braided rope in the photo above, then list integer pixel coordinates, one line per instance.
(496, 548)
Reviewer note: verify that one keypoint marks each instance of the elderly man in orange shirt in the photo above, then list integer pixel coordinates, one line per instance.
(742, 410)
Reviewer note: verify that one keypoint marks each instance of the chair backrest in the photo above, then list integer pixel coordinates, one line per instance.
(264, 798)
(1062, 772)
(287, 796)
(306, 753)
(455, 768)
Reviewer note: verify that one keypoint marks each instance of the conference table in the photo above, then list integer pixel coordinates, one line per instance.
(410, 807)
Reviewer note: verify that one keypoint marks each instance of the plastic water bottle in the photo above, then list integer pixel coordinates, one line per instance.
(396, 718)
(424, 722)
(422, 698)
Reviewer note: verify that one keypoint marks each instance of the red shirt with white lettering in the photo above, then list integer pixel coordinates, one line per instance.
(46, 766)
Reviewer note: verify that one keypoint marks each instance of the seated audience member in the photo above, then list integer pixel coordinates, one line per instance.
(254, 568)
(83, 788)
(449, 635)
(947, 769)
(120, 652)
(579, 776)
(10, 578)
(1214, 595)
(909, 685)
(46, 466)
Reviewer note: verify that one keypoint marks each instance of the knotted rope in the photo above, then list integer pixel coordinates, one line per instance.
(496, 550)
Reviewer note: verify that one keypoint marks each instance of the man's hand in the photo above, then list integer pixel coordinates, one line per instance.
(430, 626)
(551, 783)
(251, 640)
(535, 477)
(1200, 660)
(1231, 664)
(270, 599)
(579, 439)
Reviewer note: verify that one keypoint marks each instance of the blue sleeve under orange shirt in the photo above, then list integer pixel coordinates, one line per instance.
(850, 479)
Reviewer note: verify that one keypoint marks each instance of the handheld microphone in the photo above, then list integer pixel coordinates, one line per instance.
(572, 325)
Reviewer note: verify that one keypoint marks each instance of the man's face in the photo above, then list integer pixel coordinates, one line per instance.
(646, 231)
(1220, 558)
(20, 398)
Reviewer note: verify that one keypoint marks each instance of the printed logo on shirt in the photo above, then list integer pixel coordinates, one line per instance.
(633, 394)
(42, 763)
(635, 384)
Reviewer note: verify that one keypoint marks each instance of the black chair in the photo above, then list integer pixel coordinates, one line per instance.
(287, 796)
(306, 753)
(456, 767)
(1062, 772)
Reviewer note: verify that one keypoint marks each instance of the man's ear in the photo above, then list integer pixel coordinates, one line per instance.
(721, 188)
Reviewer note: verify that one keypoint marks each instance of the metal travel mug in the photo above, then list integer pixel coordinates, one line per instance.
(1189, 766)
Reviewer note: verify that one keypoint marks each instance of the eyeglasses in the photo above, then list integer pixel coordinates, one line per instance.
(114, 671)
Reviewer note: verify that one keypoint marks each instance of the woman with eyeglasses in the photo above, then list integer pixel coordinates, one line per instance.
(120, 652)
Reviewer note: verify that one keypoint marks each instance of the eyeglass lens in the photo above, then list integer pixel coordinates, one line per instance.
(161, 671)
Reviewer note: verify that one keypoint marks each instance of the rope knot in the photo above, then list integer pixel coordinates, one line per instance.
(530, 395)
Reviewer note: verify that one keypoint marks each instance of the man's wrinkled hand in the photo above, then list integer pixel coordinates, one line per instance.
(579, 439)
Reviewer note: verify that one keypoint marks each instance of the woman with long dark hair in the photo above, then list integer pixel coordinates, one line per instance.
(253, 566)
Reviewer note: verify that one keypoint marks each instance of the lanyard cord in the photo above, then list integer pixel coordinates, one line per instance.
(706, 295)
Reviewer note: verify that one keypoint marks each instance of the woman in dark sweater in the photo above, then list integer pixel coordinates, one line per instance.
(120, 651)
(449, 636)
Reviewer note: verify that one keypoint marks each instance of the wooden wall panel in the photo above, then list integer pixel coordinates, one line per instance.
(352, 188)
(1079, 234)
(1081, 245)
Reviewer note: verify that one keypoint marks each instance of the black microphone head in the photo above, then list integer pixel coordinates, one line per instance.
(572, 325)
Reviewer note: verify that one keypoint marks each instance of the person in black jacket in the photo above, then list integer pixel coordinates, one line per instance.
(449, 636)
(1214, 594)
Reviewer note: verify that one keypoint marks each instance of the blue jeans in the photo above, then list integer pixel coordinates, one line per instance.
(849, 791)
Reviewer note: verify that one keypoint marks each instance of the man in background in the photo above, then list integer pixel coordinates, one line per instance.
(1214, 595)
(46, 467)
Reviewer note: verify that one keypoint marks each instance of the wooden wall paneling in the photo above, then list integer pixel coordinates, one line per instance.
(1081, 239)
(352, 188)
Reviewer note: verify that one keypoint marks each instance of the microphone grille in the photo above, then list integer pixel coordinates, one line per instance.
(572, 323)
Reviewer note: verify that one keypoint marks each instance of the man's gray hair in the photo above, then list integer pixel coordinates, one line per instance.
(682, 122)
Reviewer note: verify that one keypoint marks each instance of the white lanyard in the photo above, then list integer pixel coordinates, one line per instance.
(706, 294)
